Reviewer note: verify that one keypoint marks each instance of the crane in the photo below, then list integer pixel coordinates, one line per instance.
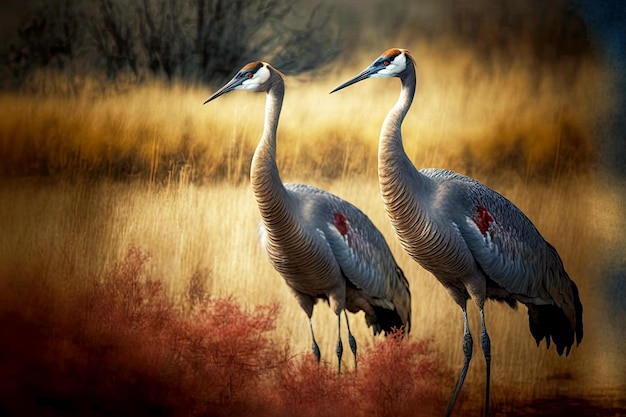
(323, 246)
(472, 239)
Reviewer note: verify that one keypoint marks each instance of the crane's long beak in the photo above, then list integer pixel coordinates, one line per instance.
(230, 86)
(365, 74)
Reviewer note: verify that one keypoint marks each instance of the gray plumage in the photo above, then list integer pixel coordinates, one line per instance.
(474, 240)
(324, 247)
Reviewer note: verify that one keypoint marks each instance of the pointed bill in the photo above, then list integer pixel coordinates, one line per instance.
(229, 86)
(365, 74)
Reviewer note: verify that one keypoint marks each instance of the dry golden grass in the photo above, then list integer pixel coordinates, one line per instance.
(81, 230)
(514, 127)
(468, 115)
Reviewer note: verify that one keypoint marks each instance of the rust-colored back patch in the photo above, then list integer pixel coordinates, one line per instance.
(341, 223)
(483, 219)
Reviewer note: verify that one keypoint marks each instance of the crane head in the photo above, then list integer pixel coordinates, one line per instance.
(251, 77)
(390, 64)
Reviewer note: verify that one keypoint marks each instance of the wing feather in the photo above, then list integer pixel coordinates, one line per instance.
(362, 253)
(359, 247)
(511, 251)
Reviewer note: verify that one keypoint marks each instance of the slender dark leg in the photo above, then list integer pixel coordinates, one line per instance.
(314, 346)
(351, 339)
(339, 343)
(486, 344)
(467, 350)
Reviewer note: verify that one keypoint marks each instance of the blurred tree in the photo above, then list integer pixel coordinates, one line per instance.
(191, 39)
(545, 31)
(46, 36)
(111, 29)
(229, 29)
(163, 36)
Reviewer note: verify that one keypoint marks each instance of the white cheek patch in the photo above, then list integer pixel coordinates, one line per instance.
(395, 67)
(259, 78)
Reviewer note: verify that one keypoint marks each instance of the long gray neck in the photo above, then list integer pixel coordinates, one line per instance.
(269, 191)
(401, 185)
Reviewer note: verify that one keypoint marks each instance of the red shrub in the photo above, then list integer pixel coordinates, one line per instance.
(305, 389)
(122, 347)
(395, 377)
(398, 377)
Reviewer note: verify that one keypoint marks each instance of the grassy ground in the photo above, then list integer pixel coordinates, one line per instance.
(93, 183)
(202, 241)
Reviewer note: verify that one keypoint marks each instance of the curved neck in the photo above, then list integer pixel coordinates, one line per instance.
(273, 106)
(268, 188)
(402, 186)
(390, 148)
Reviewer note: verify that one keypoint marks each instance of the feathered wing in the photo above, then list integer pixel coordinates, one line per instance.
(512, 253)
(364, 257)
(368, 264)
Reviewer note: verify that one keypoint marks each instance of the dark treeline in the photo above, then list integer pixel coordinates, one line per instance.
(203, 40)
(196, 40)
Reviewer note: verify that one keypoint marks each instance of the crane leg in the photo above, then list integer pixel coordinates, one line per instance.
(467, 350)
(351, 339)
(339, 343)
(486, 345)
(314, 346)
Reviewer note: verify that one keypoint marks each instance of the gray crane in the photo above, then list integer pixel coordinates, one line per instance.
(472, 239)
(324, 247)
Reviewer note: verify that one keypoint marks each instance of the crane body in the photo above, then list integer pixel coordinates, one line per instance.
(323, 246)
(472, 239)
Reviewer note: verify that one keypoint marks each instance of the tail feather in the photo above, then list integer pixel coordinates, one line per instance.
(387, 321)
(388, 314)
(551, 322)
(579, 314)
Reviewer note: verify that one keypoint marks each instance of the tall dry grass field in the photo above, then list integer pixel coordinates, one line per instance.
(467, 115)
(69, 213)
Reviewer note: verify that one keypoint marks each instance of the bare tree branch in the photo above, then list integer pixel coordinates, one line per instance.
(191, 39)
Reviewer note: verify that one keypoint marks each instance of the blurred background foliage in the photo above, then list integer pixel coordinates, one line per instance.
(205, 39)
(199, 40)
(555, 50)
